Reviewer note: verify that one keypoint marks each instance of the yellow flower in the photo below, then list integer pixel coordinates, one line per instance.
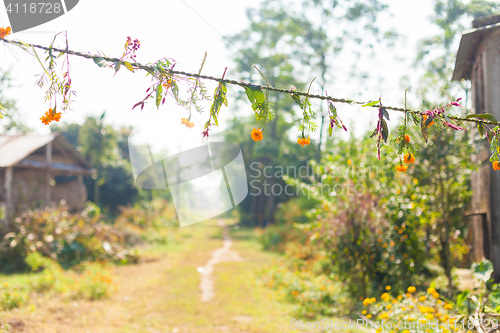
(401, 167)
(435, 295)
(257, 134)
(5, 31)
(366, 302)
(384, 315)
(373, 299)
(411, 289)
(431, 290)
(422, 298)
(496, 165)
(364, 312)
(388, 306)
(409, 158)
(388, 288)
(448, 306)
(400, 297)
(368, 316)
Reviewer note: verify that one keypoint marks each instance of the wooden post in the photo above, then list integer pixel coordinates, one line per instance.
(8, 198)
(48, 160)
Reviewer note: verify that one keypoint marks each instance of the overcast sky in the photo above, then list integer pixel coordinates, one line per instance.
(166, 29)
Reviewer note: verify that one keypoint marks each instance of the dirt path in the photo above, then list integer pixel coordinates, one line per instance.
(223, 254)
(164, 295)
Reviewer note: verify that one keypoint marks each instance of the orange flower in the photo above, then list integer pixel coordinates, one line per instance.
(257, 134)
(425, 118)
(49, 116)
(5, 31)
(407, 138)
(168, 84)
(409, 158)
(401, 167)
(186, 122)
(303, 141)
(496, 165)
(45, 120)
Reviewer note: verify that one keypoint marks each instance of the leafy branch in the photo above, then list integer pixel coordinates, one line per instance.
(166, 78)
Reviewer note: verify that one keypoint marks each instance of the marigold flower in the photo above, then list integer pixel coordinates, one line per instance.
(303, 141)
(186, 122)
(448, 306)
(400, 297)
(407, 138)
(366, 302)
(257, 134)
(411, 289)
(168, 84)
(431, 290)
(401, 167)
(496, 165)
(364, 312)
(368, 316)
(409, 158)
(384, 315)
(5, 32)
(50, 116)
(388, 288)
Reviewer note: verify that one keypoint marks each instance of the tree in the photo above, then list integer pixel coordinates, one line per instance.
(103, 147)
(292, 45)
(9, 120)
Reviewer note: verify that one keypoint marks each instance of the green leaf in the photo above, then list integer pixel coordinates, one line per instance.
(462, 297)
(371, 103)
(101, 62)
(117, 64)
(480, 129)
(256, 96)
(374, 133)
(385, 130)
(330, 130)
(425, 134)
(296, 99)
(486, 116)
(385, 113)
(482, 270)
(428, 121)
(129, 66)
(159, 91)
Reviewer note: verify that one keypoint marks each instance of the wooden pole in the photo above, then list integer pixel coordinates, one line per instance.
(8, 198)
(48, 159)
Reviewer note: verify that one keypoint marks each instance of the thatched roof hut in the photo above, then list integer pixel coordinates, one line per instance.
(36, 170)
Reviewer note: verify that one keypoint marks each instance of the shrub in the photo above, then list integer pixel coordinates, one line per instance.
(276, 237)
(94, 282)
(11, 298)
(67, 238)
